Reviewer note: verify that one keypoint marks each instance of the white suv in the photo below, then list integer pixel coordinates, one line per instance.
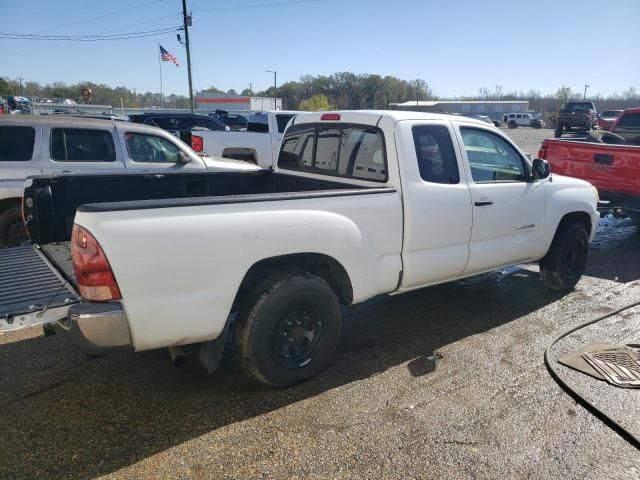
(515, 120)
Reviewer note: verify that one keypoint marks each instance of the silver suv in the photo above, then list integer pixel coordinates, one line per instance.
(51, 144)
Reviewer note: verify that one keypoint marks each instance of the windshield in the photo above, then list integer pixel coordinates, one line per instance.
(578, 106)
(611, 113)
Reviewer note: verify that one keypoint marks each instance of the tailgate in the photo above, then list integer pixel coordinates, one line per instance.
(32, 292)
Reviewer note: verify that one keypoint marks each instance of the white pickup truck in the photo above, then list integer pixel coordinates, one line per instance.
(51, 144)
(259, 144)
(361, 203)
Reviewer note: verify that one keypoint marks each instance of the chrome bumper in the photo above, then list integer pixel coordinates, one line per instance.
(96, 328)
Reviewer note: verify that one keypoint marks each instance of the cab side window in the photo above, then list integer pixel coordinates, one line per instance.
(150, 149)
(436, 158)
(81, 145)
(491, 158)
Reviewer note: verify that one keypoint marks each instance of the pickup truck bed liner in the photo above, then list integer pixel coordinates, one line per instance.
(29, 283)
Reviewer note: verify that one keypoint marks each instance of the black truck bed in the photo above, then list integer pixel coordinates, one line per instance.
(51, 201)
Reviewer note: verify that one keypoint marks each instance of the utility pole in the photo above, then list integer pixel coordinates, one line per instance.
(187, 23)
(275, 88)
(20, 86)
(250, 89)
(584, 97)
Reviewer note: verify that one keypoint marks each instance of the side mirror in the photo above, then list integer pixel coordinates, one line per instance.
(183, 158)
(540, 169)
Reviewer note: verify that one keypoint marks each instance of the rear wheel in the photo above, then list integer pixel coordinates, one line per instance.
(512, 124)
(288, 330)
(558, 131)
(12, 231)
(564, 263)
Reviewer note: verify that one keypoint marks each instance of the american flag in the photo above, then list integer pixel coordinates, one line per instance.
(167, 57)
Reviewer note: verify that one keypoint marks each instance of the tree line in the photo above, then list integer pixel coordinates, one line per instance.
(342, 90)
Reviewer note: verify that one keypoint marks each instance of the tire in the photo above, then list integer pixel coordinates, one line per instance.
(288, 329)
(564, 263)
(558, 131)
(512, 124)
(12, 231)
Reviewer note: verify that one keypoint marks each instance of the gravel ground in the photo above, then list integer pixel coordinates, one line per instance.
(446, 382)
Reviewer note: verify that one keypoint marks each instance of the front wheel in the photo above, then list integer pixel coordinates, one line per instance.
(288, 330)
(512, 124)
(566, 260)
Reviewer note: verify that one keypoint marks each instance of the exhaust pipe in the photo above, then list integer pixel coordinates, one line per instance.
(178, 357)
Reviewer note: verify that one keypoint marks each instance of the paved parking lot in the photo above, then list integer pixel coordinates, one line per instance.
(447, 382)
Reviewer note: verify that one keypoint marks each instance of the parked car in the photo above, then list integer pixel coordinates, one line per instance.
(259, 144)
(580, 115)
(182, 125)
(627, 126)
(606, 118)
(361, 203)
(610, 160)
(515, 120)
(234, 121)
(58, 144)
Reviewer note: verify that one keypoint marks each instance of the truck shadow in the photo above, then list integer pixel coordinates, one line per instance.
(64, 416)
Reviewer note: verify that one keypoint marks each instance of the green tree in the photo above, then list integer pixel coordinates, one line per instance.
(317, 103)
(4, 87)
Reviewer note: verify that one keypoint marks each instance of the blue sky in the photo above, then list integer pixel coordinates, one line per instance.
(457, 46)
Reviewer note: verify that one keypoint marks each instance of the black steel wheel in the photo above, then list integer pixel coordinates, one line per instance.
(565, 262)
(288, 329)
(12, 231)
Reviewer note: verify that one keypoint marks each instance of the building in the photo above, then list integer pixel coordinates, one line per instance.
(491, 108)
(235, 103)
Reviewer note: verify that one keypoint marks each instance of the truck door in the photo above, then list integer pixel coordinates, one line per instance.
(508, 209)
(437, 204)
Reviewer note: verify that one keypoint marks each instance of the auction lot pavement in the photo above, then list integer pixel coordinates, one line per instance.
(446, 382)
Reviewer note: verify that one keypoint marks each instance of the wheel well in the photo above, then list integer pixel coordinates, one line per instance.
(8, 202)
(237, 153)
(318, 264)
(574, 217)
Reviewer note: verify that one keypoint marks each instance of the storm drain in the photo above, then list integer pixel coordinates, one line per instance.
(618, 365)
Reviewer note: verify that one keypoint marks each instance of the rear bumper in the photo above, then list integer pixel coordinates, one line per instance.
(96, 328)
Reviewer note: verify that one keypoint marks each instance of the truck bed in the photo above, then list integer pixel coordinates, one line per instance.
(51, 201)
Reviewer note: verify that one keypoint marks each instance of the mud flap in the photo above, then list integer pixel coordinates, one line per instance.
(211, 352)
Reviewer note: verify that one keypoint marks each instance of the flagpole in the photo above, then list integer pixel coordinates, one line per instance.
(160, 62)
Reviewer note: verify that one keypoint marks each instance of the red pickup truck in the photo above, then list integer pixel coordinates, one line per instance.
(610, 160)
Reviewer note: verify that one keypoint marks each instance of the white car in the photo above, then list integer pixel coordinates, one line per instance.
(361, 203)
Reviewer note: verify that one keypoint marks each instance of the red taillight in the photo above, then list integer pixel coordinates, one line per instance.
(330, 116)
(197, 143)
(93, 273)
(542, 153)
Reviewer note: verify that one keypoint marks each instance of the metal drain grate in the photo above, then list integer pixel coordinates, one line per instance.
(619, 368)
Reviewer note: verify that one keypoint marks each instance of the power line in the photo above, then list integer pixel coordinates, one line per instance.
(90, 38)
(257, 5)
(98, 17)
(73, 37)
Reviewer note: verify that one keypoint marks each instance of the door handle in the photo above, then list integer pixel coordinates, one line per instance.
(483, 203)
(603, 158)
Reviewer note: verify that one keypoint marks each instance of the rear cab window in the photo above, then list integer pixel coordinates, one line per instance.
(436, 157)
(16, 143)
(82, 145)
(339, 150)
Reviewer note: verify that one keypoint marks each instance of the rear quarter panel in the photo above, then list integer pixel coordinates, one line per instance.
(179, 268)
